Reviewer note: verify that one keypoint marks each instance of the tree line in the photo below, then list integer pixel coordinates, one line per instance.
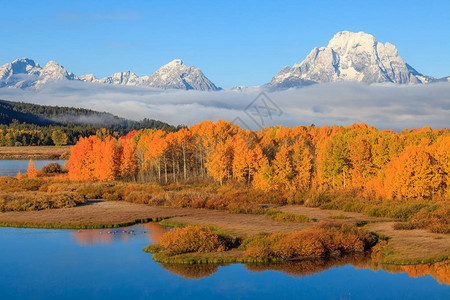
(26, 124)
(413, 163)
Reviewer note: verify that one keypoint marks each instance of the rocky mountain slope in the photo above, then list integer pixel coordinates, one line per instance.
(350, 56)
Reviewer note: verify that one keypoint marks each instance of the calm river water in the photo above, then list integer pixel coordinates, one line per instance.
(11, 167)
(110, 264)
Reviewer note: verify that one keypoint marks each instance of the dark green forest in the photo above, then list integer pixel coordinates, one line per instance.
(26, 124)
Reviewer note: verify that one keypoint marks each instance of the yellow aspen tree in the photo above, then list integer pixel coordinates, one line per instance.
(302, 164)
(31, 173)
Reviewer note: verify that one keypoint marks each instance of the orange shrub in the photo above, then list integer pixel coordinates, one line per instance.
(261, 245)
(300, 243)
(192, 239)
(319, 241)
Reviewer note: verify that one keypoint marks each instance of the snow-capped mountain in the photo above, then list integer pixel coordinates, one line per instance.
(350, 56)
(25, 73)
(176, 75)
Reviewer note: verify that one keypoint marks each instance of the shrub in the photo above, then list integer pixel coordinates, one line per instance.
(280, 216)
(51, 168)
(261, 245)
(301, 243)
(319, 241)
(192, 239)
(338, 217)
(38, 201)
(139, 197)
(404, 226)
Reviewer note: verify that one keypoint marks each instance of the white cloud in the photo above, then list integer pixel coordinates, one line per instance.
(383, 106)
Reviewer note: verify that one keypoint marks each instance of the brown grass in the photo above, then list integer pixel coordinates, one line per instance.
(412, 245)
(318, 214)
(94, 213)
(238, 225)
(34, 152)
(116, 212)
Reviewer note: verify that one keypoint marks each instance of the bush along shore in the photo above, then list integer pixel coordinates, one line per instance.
(199, 245)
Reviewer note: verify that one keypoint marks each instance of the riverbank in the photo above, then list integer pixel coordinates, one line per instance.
(34, 152)
(404, 246)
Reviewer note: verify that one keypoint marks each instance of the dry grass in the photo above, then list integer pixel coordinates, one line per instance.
(412, 245)
(239, 225)
(94, 213)
(117, 212)
(318, 214)
(34, 152)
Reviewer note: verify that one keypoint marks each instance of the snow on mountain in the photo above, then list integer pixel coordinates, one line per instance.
(350, 56)
(25, 73)
(123, 78)
(19, 73)
(444, 79)
(176, 75)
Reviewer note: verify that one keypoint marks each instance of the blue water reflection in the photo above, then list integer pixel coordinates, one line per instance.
(110, 264)
(11, 167)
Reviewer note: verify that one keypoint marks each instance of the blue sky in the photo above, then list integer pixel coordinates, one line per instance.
(233, 42)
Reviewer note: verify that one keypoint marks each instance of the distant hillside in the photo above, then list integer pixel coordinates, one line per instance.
(25, 124)
(44, 115)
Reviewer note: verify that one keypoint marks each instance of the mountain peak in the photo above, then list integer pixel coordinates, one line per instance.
(52, 64)
(175, 62)
(350, 56)
(25, 61)
(176, 75)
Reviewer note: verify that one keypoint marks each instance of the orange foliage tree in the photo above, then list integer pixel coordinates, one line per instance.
(413, 163)
(31, 172)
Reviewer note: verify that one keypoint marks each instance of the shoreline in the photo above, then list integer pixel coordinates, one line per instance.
(410, 247)
(33, 152)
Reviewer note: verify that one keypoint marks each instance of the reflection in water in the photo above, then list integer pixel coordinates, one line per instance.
(196, 271)
(72, 271)
(92, 237)
(155, 231)
(150, 231)
(439, 271)
(311, 266)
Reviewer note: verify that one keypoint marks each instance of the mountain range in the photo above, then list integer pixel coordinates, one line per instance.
(349, 56)
(25, 73)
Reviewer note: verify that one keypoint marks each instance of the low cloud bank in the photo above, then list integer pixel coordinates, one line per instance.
(381, 105)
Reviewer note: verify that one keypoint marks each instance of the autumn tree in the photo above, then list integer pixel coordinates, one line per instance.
(411, 175)
(219, 162)
(31, 172)
(336, 161)
(241, 159)
(302, 160)
(283, 169)
(360, 160)
(128, 165)
(81, 162)
(59, 137)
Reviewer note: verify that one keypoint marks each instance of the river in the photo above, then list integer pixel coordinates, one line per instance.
(110, 264)
(11, 167)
